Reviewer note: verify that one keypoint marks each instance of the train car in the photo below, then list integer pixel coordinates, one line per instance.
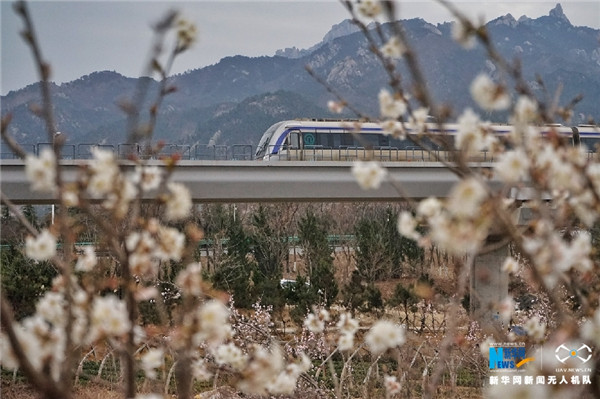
(342, 140)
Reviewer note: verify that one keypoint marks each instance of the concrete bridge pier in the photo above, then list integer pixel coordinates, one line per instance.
(489, 284)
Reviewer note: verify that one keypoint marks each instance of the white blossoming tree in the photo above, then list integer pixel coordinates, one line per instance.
(94, 304)
(555, 244)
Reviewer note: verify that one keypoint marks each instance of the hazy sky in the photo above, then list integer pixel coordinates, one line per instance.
(80, 37)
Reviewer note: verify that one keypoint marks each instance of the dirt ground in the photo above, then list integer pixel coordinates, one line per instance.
(21, 390)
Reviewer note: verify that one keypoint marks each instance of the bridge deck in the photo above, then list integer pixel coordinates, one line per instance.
(257, 181)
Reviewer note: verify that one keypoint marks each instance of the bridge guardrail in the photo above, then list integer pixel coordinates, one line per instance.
(239, 152)
(245, 152)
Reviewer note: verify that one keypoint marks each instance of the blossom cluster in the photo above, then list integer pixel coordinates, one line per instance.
(382, 335)
(43, 337)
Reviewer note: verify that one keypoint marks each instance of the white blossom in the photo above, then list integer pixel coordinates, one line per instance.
(186, 34)
(86, 261)
(101, 184)
(42, 247)
(345, 342)
(506, 307)
(368, 175)
(458, 236)
(103, 161)
(393, 48)
(389, 106)
(593, 172)
(148, 177)
(489, 95)
(580, 250)
(563, 176)
(383, 336)
(179, 202)
(462, 35)
(214, 327)
(170, 244)
(41, 172)
(525, 109)
(285, 381)
(262, 371)
(347, 324)
(151, 360)
(119, 195)
(418, 120)
(189, 280)
(30, 344)
(484, 346)
(471, 133)
(109, 317)
(510, 265)
(370, 8)
(143, 265)
(200, 370)
(337, 107)
(535, 328)
(393, 128)
(429, 207)
(391, 384)
(466, 197)
(70, 197)
(314, 323)
(51, 307)
(512, 166)
(583, 205)
(283, 384)
(104, 173)
(407, 226)
(141, 242)
(230, 354)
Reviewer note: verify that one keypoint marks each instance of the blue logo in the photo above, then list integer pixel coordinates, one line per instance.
(309, 139)
(508, 357)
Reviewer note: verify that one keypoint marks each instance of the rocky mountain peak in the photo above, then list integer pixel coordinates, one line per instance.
(344, 28)
(557, 12)
(507, 19)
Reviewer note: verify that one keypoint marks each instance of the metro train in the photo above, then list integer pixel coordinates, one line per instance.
(339, 140)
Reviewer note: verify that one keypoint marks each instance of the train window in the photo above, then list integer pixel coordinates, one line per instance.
(401, 144)
(347, 140)
(384, 141)
(325, 138)
(294, 140)
(336, 140)
(367, 140)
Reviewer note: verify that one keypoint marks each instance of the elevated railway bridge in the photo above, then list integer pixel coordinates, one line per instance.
(234, 181)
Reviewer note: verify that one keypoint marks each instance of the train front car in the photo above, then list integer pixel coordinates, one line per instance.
(264, 147)
(311, 140)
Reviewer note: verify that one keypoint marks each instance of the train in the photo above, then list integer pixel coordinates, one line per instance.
(346, 140)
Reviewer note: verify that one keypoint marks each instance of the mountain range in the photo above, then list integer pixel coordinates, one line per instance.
(236, 99)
